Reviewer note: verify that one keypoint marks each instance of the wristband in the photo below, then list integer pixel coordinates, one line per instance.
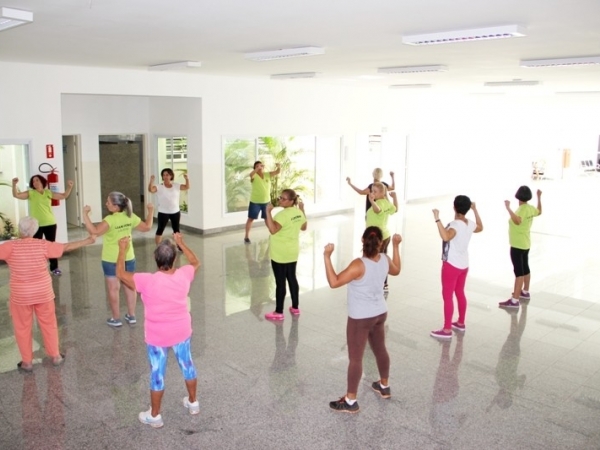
(438, 220)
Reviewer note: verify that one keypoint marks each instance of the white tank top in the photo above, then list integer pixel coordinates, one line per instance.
(168, 198)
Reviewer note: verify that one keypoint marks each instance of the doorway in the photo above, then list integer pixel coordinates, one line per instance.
(14, 163)
(72, 158)
(122, 168)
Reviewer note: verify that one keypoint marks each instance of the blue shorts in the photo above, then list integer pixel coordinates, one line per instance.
(255, 208)
(157, 356)
(110, 269)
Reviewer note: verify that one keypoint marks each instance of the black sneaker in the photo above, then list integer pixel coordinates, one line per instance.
(341, 406)
(384, 392)
(246, 241)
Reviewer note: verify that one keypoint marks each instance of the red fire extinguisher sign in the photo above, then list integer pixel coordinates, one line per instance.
(49, 151)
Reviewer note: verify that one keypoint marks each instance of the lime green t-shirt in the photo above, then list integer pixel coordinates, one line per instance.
(40, 207)
(380, 220)
(285, 244)
(261, 188)
(519, 236)
(120, 226)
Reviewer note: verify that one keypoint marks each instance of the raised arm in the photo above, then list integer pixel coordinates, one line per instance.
(374, 204)
(392, 186)
(277, 171)
(97, 230)
(445, 234)
(63, 195)
(355, 270)
(301, 208)
(15, 192)
(273, 226)
(189, 254)
(365, 191)
(151, 187)
(78, 244)
(125, 277)
(146, 225)
(479, 227)
(186, 185)
(395, 263)
(516, 219)
(539, 202)
(394, 199)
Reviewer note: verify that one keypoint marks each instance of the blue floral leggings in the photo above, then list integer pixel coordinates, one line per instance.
(157, 356)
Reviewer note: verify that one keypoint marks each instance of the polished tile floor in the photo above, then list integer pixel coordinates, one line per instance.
(528, 379)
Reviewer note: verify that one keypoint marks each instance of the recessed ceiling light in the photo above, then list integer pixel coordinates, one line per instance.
(287, 76)
(562, 62)
(410, 86)
(412, 69)
(511, 83)
(476, 34)
(284, 53)
(176, 66)
(10, 18)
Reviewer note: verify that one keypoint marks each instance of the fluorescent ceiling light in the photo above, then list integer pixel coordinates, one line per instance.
(176, 66)
(476, 34)
(561, 62)
(410, 86)
(284, 53)
(288, 76)
(578, 92)
(412, 69)
(370, 77)
(10, 18)
(511, 83)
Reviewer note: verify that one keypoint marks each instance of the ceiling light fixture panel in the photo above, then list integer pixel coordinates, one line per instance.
(10, 17)
(410, 86)
(284, 53)
(511, 83)
(561, 62)
(476, 34)
(413, 69)
(176, 66)
(289, 76)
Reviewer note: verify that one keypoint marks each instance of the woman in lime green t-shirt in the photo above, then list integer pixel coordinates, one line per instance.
(379, 212)
(118, 224)
(285, 230)
(40, 208)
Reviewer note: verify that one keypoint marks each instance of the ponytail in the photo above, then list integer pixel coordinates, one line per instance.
(121, 201)
(372, 239)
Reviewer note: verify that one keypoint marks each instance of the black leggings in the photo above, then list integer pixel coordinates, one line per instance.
(282, 272)
(48, 232)
(520, 260)
(163, 219)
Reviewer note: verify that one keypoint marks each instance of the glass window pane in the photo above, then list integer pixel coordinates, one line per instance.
(328, 169)
(172, 154)
(239, 155)
(14, 162)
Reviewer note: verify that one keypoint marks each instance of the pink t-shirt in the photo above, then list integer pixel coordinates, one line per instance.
(167, 319)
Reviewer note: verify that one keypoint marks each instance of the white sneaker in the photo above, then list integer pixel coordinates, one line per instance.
(193, 408)
(154, 422)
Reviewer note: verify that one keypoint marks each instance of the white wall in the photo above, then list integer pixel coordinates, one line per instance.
(456, 142)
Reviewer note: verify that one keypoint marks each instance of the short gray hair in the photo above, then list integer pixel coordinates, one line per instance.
(28, 226)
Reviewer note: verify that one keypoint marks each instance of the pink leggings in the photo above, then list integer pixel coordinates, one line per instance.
(453, 282)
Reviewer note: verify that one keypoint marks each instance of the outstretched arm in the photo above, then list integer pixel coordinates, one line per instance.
(277, 171)
(63, 195)
(69, 246)
(186, 186)
(151, 188)
(365, 191)
(395, 263)
(355, 270)
(15, 192)
(97, 230)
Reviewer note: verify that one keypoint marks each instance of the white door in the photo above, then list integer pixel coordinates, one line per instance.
(71, 159)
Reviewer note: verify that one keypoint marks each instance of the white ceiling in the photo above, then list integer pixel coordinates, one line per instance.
(358, 37)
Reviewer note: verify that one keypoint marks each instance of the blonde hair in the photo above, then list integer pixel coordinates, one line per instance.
(381, 187)
(377, 174)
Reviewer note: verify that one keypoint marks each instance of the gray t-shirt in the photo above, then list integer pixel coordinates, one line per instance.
(365, 296)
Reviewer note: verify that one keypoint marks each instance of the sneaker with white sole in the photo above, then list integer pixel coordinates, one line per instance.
(342, 406)
(525, 295)
(130, 319)
(441, 334)
(114, 322)
(146, 418)
(384, 392)
(294, 311)
(458, 327)
(193, 408)
(509, 304)
(274, 316)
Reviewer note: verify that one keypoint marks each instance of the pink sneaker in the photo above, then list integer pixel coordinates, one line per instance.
(458, 327)
(509, 304)
(441, 334)
(274, 316)
(295, 311)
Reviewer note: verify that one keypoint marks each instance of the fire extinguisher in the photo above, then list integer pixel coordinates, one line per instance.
(52, 180)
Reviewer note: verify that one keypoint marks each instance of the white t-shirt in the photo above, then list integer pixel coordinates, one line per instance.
(168, 198)
(456, 250)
